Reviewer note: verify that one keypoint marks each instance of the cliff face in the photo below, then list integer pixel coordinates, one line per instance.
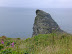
(44, 24)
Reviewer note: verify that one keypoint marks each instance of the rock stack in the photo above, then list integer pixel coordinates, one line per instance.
(44, 24)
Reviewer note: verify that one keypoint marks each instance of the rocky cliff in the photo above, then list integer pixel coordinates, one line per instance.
(44, 24)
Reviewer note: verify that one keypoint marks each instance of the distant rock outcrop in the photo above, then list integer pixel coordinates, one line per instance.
(44, 24)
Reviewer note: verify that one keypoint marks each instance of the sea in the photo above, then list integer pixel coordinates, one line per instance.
(18, 22)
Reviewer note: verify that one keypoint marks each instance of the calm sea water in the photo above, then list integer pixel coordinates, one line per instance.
(18, 22)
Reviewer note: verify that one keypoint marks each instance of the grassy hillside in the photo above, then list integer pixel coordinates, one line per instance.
(54, 43)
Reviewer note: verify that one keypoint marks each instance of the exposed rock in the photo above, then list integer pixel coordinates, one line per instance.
(44, 24)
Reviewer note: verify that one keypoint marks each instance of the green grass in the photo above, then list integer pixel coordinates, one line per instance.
(54, 43)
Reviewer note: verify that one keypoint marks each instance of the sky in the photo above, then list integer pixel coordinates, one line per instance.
(37, 3)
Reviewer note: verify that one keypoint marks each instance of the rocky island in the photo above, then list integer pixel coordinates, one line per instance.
(44, 24)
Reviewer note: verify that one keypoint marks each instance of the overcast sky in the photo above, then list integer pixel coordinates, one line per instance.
(37, 3)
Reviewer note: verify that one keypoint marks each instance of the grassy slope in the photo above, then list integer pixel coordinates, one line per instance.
(50, 44)
(43, 44)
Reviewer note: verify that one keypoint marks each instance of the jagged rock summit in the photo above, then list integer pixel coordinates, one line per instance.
(44, 24)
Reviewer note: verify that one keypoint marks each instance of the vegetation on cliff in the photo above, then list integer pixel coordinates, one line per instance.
(54, 43)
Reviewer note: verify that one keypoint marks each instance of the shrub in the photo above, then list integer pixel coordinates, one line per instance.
(6, 51)
(8, 43)
(18, 38)
(3, 37)
(1, 47)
